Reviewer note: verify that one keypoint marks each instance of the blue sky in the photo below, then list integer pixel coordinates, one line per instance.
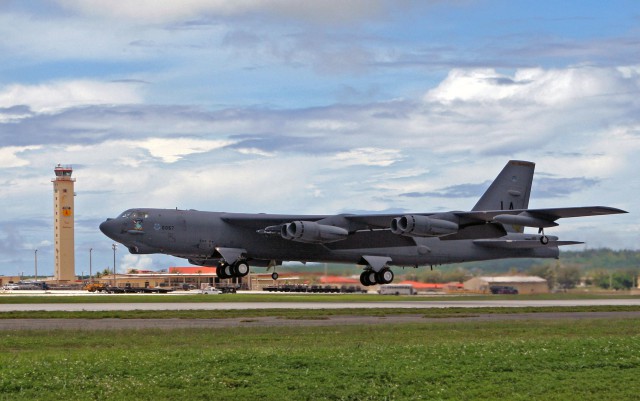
(311, 107)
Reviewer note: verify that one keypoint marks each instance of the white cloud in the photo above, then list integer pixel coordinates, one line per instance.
(130, 261)
(534, 85)
(369, 157)
(170, 150)
(9, 156)
(55, 96)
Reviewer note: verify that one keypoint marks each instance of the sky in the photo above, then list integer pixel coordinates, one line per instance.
(282, 106)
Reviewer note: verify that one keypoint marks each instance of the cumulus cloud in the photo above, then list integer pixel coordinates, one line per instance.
(137, 262)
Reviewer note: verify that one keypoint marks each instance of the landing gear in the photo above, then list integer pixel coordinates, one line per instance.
(274, 275)
(544, 240)
(238, 269)
(370, 277)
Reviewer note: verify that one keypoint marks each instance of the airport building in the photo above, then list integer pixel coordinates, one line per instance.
(194, 277)
(524, 284)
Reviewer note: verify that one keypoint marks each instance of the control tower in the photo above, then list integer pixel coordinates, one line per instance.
(64, 224)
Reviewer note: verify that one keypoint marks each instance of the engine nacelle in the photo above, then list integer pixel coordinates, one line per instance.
(422, 226)
(312, 233)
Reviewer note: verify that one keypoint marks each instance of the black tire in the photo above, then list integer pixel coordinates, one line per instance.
(544, 240)
(220, 272)
(371, 278)
(274, 275)
(384, 276)
(364, 278)
(241, 269)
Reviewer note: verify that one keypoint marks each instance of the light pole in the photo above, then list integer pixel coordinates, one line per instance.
(35, 261)
(113, 246)
(90, 276)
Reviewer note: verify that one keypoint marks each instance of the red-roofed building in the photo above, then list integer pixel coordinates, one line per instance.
(193, 270)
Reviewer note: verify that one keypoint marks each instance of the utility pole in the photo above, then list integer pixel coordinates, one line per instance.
(113, 246)
(90, 276)
(35, 257)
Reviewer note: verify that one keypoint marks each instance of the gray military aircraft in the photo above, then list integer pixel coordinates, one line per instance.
(493, 229)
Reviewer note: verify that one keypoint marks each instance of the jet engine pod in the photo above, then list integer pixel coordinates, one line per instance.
(422, 226)
(312, 233)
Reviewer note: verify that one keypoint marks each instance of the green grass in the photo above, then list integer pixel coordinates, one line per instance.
(520, 360)
(301, 313)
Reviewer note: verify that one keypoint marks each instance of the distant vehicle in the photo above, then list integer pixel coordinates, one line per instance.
(396, 289)
(95, 287)
(26, 285)
(9, 287)
(503, 289)
(211, 290)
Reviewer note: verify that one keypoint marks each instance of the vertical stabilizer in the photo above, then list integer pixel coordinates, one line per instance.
(510, 190)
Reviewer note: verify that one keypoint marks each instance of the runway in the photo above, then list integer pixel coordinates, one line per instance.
(74, 307)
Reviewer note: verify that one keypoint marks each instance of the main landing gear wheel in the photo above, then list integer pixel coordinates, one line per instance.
(366, 276)
(369, 277)
(384, 276)
(238, 269)
(220, 271)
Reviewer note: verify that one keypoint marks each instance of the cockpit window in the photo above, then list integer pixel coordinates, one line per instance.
(125, 215)
(139, 215)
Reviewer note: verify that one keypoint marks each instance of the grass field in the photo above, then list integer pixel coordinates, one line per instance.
(521, 360)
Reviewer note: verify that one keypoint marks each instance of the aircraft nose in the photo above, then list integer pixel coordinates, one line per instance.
(108, 228)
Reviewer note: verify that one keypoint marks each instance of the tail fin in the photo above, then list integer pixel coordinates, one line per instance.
(510, 190)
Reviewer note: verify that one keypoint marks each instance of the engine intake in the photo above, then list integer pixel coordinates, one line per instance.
(422, 226)
(312, 233)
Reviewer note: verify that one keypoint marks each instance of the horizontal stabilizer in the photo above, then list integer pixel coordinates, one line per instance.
(521, 244)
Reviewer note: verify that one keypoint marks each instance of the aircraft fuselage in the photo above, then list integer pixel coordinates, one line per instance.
(198, 235)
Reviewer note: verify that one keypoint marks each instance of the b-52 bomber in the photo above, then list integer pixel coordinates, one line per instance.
(493, 229)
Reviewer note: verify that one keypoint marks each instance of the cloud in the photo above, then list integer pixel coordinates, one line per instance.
(170, 150)
(369, 157)
(55, 96)
(138, 262)
(328, 11)
(535, 85)
(9, 156)
(561, 187)
(454, 191)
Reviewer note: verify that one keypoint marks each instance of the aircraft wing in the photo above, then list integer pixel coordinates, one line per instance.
(377, 220)
(525, 217)
(261, 220)
(520, 244)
